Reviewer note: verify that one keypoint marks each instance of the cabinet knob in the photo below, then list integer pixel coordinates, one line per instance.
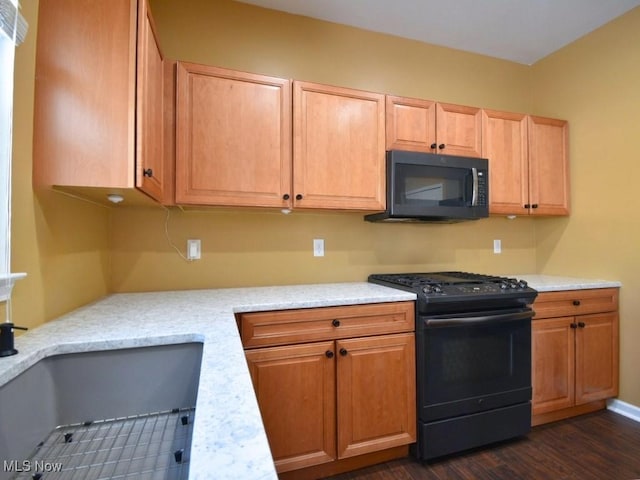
(286, 196)
(576, 302)
(336, 323)
(535, 205)
(147, 172)
(441, 146)
(582, 324)
(343, 352)
(527, 205)
(299, 196)
(329, 354)
(434, 145)
(574, 325)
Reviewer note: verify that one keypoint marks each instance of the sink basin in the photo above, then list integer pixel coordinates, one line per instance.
(65, 395)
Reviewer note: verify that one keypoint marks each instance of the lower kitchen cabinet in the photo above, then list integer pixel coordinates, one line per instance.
(574, 352)
(295, 386)
(375, 393)
(329, 400)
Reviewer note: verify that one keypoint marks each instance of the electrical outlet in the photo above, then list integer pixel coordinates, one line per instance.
(318, 247)
(193, 249)
(497, 246)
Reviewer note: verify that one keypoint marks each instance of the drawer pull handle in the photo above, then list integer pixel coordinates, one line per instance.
(576, 302)
(329, 354)
(336, 323)
(343, 352)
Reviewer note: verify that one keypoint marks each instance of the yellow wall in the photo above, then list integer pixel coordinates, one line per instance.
(61, 243)
(244, 249)
(595, 83)
(250, 248)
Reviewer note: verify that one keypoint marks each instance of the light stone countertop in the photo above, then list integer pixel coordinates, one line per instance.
(552, 283)
(228, 441)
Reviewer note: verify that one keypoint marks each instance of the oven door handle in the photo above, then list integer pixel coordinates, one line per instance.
(484, 320)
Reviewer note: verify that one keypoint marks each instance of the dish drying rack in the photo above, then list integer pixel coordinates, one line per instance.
(148, 446)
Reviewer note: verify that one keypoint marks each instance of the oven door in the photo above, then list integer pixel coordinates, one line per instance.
(473, 362)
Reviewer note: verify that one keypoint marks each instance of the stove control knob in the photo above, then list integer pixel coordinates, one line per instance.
(437, 289)
(513, 284)
(427, 289)
(523, 284)
(504, 285)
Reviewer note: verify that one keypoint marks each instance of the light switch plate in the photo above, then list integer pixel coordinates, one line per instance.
(318, 247)
(193, 249)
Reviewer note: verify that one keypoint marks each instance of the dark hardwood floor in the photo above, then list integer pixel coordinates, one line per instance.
(597, 446)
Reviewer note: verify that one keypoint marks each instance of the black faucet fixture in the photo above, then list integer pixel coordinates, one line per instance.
(6, 339)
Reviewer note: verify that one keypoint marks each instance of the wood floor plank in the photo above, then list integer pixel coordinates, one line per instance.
(597, 446)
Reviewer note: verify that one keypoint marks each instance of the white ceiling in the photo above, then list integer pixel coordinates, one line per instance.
(522, 31)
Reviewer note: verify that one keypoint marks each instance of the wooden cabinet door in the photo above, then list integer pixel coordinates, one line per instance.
(233, 140)
(84, 109)
(426, 126)
(548, 166)
(376, 393)
(553, 364)
(150, 171)
(338, 148)
(459, 130)
(295, 386)
(596, 357)
(411, 124)
(504, 143)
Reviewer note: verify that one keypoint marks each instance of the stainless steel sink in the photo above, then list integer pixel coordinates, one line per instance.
(102, 414)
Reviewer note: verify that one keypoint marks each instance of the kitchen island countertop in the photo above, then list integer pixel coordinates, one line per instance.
(228, 441)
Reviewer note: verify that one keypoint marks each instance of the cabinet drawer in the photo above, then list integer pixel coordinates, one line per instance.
(260, 329)
(575, 302)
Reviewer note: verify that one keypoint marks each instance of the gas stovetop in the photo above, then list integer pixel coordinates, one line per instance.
(459, 290)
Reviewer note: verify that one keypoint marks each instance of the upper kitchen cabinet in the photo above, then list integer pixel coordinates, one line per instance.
(427, 126)
(233, 138)
(505, 145)
(151, 174)
(548, 166)
(338, 148)
(96, 124)
(528, 163)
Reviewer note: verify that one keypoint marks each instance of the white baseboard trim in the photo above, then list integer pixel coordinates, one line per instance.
(624, 408)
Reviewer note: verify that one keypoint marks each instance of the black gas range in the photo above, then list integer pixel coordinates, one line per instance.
(448, 291)
(473, 358)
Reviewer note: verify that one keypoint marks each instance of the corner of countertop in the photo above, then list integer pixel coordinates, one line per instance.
(551, 283)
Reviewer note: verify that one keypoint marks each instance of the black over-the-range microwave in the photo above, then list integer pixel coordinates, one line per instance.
(427, 187)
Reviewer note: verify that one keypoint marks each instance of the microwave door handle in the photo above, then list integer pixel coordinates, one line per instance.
(474, 194)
